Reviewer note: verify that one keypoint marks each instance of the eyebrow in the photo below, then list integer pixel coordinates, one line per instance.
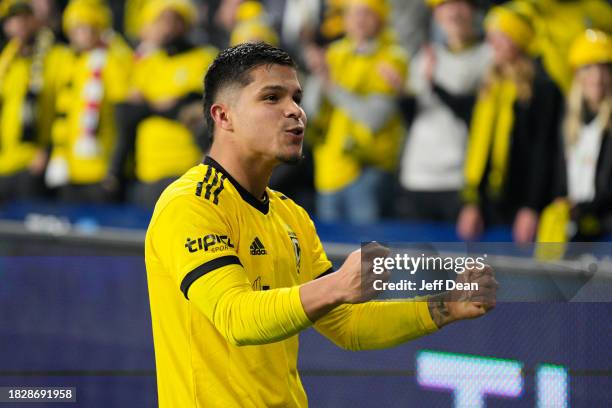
(278, 88)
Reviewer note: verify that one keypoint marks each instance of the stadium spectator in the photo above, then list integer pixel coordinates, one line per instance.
(49, 13)
(410, 22)
(252, 25)
(444, 79)
(508, 163)
(92, 80)
(235, 270)
(556, 24)
(161, 123)
(355, 162)
(28, 65)
(583, 207)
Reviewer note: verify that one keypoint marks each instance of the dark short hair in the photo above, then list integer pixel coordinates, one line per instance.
(233, 65)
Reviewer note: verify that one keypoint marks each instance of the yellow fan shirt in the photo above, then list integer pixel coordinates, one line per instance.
(166, 148)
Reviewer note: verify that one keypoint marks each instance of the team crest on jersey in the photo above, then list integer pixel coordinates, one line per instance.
(296, 249)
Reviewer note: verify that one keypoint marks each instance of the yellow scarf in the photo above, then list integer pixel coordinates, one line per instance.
(10, 51)
(490, 132)
(552, 235)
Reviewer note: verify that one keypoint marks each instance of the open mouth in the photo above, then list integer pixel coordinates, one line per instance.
(298, 131)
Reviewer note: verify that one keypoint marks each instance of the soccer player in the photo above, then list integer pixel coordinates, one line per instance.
(236, 270)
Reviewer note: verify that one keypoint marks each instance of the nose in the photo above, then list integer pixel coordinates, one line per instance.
(294, 111)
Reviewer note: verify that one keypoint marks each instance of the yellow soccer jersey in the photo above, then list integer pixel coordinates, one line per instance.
(202, 223)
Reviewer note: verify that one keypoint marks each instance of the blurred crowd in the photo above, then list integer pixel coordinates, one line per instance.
(469, 112)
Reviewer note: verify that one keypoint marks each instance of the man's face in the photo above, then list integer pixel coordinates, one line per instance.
(83, 37)
(456, 18)
(266, 115)
(168, 26)
(21, 26)
(361, 23)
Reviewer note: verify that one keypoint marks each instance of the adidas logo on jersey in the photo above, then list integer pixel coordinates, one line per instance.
(257, 247)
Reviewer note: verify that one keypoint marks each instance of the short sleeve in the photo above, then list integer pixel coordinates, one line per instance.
(191, 238)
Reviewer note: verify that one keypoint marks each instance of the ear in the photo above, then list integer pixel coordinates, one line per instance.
(220, 114)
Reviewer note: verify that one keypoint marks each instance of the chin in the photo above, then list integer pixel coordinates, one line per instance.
(291, 159)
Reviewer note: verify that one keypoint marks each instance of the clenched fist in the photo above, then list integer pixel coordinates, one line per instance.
(460, 304)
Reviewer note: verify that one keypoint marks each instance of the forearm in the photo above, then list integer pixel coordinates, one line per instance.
(375, 325)
(460, 105)
(320, 297)
(438, 310)
(407, 106)
(244, 316)
(374, 111)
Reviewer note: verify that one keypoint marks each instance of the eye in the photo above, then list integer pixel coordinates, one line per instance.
(271, 98)
(298, 99)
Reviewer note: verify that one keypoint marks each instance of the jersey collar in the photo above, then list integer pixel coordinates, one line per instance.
(262, 206)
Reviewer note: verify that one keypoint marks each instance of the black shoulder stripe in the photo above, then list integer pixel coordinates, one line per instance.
(201, 183)
(208, 174)
(218, 190)
(327, 272)
(211, 185)
(205, 268)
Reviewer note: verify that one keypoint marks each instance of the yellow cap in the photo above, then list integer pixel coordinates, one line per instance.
(380, 7)
(511, 23)
(253, 31)
(92, 13)
(435, 3)
(154, 8)
(591, 47)
(9, 8)
(250, 10)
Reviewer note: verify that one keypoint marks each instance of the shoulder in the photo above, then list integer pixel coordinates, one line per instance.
(120, 53)
(339, 47)
(395, 52)
(58, 57)
(199, 193)
(59, 51)
(544, 86)
(207, 51)
(289, 207)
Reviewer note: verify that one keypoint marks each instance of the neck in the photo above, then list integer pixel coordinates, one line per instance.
(251, 172)
(27, 45)
(593, 105)
(459, 43)
(364, 44)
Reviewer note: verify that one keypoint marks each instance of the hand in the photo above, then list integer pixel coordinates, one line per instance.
(164, 105)
(465, 304)
(316, 63)
(355, 278)
(39, 163)
(392, 77)
(110, 184)
(429, 63)
(135, 97)
(470, 224)
(525, 225)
